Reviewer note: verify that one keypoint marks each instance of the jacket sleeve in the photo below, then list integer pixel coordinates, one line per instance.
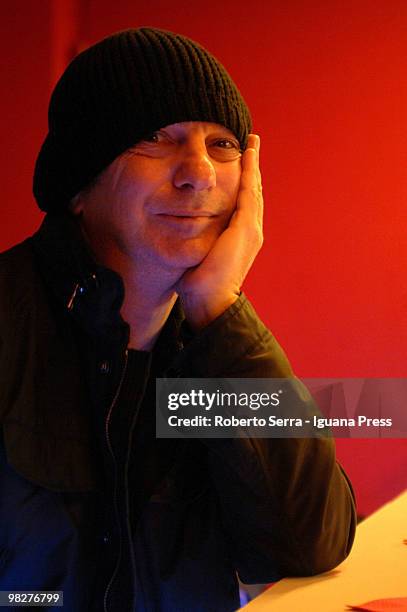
(287, 506)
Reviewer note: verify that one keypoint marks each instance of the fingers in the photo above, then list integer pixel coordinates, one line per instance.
(253, 142)
(250, 200)
(251, 177)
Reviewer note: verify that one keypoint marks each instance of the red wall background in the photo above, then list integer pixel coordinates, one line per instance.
(326, 82)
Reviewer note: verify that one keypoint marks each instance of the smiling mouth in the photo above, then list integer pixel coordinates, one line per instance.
(186, 220)
(188, 215)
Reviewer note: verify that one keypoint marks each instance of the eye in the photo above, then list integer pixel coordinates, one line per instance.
(154, 137)
(226, 143)
(225, 149)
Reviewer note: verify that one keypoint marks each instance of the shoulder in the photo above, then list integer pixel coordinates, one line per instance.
(16, 252)
(20, 278)
(16, 262)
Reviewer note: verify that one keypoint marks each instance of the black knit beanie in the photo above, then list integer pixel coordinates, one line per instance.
(118, 91)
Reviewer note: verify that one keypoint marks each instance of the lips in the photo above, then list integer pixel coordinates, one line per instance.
(186, 213)
(188, 224)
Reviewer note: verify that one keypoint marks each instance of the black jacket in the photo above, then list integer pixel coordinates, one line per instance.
(265, 508)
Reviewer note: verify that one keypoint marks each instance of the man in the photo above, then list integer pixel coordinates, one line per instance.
(150, 179)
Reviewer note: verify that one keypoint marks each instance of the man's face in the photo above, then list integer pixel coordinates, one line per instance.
(167, 199)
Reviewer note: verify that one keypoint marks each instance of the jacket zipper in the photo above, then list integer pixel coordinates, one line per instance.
(132, 427)
(116, 507)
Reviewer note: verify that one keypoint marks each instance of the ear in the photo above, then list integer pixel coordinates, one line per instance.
(76, 205)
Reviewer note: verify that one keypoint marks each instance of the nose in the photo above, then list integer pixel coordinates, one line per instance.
(194, 169)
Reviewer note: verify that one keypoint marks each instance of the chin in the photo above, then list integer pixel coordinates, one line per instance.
(185, 260)
(188, 254)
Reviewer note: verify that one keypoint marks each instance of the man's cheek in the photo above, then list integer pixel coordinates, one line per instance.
(230, 212)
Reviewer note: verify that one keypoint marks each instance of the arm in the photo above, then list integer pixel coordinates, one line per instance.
(286, 505)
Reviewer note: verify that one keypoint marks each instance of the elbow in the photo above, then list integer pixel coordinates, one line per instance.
(331, 548)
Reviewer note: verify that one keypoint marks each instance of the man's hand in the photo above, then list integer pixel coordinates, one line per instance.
(209, 289)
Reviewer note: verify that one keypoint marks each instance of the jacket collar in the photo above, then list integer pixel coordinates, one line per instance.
(90, 293)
